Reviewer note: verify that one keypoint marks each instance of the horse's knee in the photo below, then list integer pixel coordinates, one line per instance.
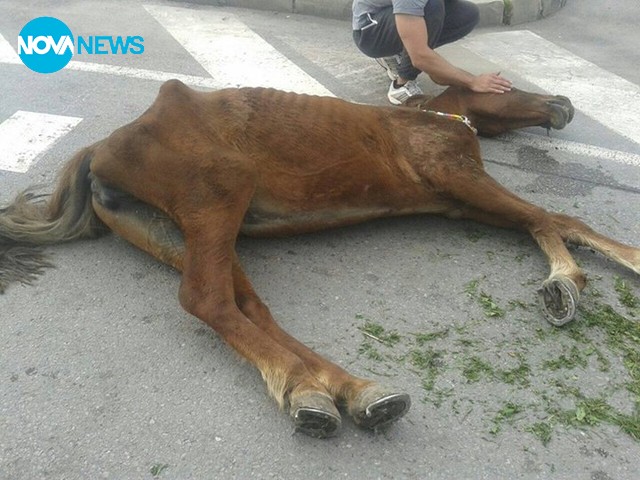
(202, 303)
(253, 307)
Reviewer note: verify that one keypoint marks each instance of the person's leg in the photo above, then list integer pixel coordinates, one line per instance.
(434, 16)
(383, 40)
(460, 18)
(446, 21)
(380, 38)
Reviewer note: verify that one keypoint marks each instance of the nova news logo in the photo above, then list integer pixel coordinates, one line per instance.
(46, 45)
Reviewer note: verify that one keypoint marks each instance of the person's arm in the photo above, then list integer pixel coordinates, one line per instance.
(414, 36)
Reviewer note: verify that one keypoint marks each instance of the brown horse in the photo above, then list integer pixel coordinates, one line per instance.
(197, 169)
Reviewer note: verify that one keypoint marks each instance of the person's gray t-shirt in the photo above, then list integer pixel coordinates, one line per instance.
(363, 7)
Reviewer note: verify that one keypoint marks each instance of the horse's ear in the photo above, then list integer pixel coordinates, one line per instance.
(418, 101)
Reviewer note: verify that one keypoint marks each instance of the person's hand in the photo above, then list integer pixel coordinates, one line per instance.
(490, 83)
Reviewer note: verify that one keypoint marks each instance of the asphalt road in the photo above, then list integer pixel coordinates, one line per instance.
(104, 376)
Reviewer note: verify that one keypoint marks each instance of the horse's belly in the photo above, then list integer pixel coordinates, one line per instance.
(264, 223)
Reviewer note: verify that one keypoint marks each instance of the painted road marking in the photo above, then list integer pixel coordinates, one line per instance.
(25, 135)
(234, 55)
(575, 148)
(226, 48)
(231, 52)
(144, 74)
(7, 53)
(602, 95)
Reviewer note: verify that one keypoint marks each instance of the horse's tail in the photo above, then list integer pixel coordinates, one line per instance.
(33, 220)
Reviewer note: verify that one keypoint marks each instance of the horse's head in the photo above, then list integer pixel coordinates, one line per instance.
(492, 114)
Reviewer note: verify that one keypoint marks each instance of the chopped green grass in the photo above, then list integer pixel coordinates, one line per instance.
(623, 336)
(625, 295)
(428, 362)
(471, 288)
(425, 359)
(575, 358)
(491, 309)
(475, 368)
(489, 306)
(423, 338)
(594, 411)
(505, 414)
(379, 334)
(158, 468)
(437, 396)
(590, 412)
(518, 375)
(514, 304)
(542, 430)
(600, 337)
(370, 352)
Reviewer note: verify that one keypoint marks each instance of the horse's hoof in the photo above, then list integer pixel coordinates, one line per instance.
(377, 406)
(315, 415)
(559, 299)
(560, 115)
(564, 103)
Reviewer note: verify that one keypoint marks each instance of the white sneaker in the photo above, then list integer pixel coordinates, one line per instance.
(390, 64)
(401, 94)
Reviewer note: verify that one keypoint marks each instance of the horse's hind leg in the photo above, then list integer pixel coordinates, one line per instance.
(370, 404)
(485, 200)
(142, 225)
(560, 292)
(575, 231)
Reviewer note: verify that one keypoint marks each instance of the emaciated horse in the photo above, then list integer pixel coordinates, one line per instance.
(197, 169)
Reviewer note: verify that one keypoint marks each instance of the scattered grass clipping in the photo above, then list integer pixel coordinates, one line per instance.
(158, 468)
(534, 382)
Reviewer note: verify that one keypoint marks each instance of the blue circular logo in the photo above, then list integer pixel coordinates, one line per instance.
(45, 45)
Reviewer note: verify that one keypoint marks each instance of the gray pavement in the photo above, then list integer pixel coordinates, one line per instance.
(103, 375)
(492, 12)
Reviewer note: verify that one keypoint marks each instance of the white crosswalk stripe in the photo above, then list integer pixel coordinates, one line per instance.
(25, 135)
(226, 48)
(7, 53)
(231, 52)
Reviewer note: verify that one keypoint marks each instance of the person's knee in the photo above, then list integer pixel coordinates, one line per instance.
(434, 17)
(462, 18)
(434, 11)
(470, 14)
